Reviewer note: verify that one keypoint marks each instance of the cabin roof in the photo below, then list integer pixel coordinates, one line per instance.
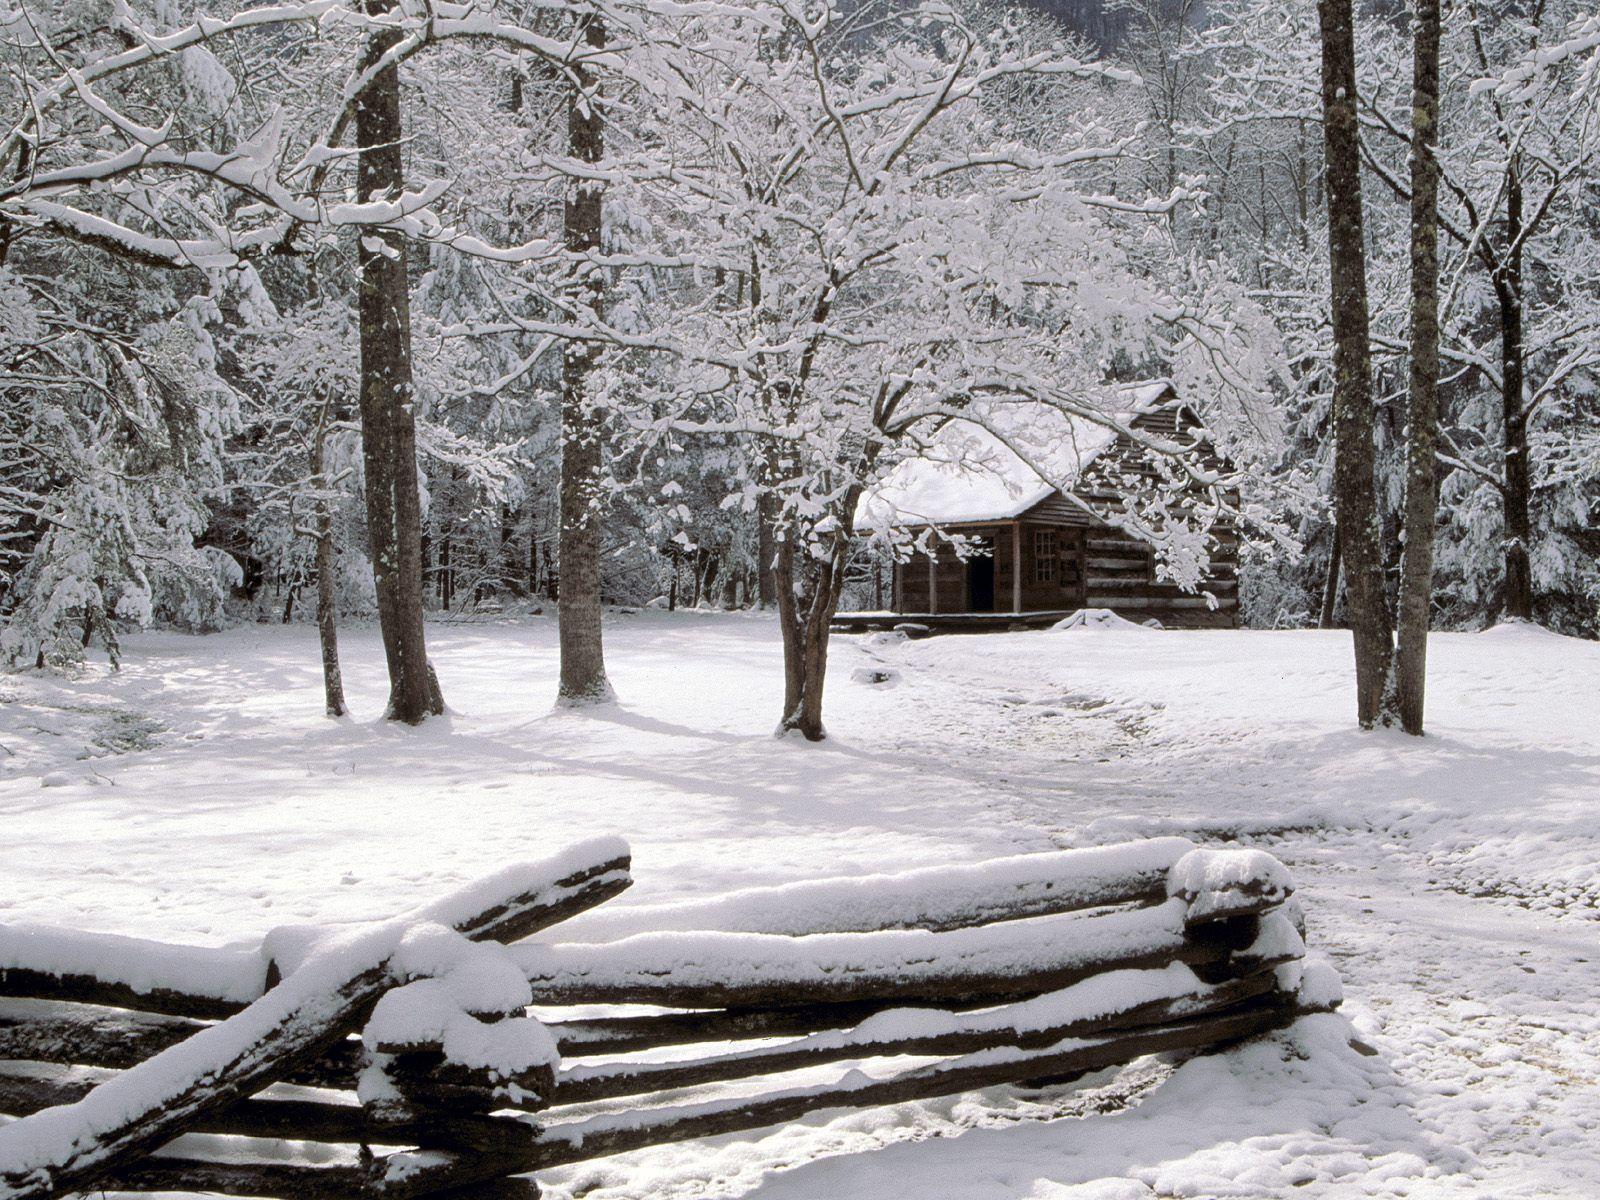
(968, 474)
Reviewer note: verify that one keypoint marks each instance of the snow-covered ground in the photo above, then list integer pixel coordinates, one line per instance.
(200, 796)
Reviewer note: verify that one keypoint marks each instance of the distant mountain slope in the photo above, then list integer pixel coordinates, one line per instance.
(1090, 18)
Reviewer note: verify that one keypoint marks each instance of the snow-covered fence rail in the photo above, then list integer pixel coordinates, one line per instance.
(318, 987)
(1039, 967)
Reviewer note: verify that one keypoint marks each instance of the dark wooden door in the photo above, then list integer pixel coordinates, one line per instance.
(980, 581)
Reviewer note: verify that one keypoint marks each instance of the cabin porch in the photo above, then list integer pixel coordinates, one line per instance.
(1064, 568)
(1012, 567)
(926, 624)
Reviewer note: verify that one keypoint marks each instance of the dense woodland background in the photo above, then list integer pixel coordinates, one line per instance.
(181, 377)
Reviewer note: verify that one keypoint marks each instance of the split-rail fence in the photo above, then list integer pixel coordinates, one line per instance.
(405, 1059)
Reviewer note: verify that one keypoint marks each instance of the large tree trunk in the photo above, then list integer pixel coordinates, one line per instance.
(388, 424)
(583, 666)
(1517, 492)
(808, 588)
(1422, 494)
(1354, 495)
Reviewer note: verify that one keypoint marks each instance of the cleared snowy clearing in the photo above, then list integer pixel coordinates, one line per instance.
(1456, 881)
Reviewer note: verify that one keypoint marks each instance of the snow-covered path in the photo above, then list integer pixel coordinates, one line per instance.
(1455, 880)
(1486, 1010)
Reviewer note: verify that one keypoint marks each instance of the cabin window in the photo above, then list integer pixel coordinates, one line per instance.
(1044, 556)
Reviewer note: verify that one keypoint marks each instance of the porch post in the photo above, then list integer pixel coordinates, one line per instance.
(1016, 567)
(933, 582)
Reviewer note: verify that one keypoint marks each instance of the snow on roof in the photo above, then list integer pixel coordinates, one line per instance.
(969, 474)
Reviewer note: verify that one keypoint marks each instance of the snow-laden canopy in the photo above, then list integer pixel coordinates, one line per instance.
(970, 474)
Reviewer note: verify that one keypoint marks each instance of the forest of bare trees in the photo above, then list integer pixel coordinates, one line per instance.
(335, 309)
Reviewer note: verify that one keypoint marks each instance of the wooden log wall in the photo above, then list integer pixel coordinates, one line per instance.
(996, 972)
(1120, 569)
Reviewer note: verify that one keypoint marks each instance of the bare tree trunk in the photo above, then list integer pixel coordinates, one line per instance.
(447, 577)
(705, 588)
(766, 550)
(328, 618)
(327, 593)
(583, 667)
(1517, 492)
(1422, 493)
(533, 557)
(808, 589)
(1354, 465)
(504, 563)
(388, 424)
(1330, 586)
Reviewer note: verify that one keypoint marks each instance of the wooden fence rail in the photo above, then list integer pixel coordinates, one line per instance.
(115, 1055)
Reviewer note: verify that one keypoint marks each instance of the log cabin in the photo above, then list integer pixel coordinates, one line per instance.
(1033, 554)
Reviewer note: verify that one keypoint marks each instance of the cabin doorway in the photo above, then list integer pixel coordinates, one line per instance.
(980, 579)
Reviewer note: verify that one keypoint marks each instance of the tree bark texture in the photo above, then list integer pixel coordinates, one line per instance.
(1354, 460)
(388, 422)
(583, 667)
(1422, 493)
(808, 587)
(327, 591)
(446, 574)
(1517, 492)
(1330, 587)
(766, 551)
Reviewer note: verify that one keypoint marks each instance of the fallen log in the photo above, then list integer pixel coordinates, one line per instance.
(615, 1035)
(321, 1001)
(428, 1080)
(283, 1181)
(66, 1031)
(1174, 994)
(598, 1137)
(932, 898)
(27, 1088)
(199, 982)
(107, 968)
(61, 1031)
(998, 962)
(1222, 950)
(403, 1177)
